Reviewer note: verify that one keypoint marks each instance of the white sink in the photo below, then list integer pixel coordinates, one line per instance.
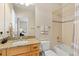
(20, 42)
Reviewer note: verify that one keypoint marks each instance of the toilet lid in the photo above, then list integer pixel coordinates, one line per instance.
(50, 53)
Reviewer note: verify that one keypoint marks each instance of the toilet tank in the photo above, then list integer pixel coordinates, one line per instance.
(45, 45)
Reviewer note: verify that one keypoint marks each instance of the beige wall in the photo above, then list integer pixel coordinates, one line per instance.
(68, 11)
(42, 19)
(63, 23)
(68, 14)
(62, 26)
(44, 16)
(67, 33)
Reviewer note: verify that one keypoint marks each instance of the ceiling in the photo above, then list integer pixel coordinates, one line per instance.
(31, 8)
(18, 7)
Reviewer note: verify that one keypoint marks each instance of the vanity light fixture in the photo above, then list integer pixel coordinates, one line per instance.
(26, 4)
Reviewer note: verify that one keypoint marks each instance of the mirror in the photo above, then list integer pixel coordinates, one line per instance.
(16, 19)
(1, 20)
(22, 20)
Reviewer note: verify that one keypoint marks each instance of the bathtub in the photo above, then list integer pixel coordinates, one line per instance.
(67, 49)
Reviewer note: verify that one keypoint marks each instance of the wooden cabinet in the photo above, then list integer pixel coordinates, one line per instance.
(18, 50)
(28, 50)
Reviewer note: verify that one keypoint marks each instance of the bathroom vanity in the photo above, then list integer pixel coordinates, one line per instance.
(30, 48)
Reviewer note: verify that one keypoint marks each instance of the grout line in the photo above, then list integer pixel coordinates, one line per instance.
(57, 21)
(64, 21)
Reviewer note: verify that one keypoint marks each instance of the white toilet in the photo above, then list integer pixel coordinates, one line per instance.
(45, 47)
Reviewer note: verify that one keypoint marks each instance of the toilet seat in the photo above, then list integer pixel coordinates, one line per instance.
(50, 53)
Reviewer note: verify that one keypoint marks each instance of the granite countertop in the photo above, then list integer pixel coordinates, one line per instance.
(10, 44)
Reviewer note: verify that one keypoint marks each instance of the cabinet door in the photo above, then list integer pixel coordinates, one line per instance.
(18, 50)
(1, 20)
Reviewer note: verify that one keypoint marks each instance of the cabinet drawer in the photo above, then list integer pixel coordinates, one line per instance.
(35, 53)
(18, 50)
(34, 47)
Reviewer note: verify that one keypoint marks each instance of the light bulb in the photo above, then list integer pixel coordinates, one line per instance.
(21, 3)
(27, 4)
